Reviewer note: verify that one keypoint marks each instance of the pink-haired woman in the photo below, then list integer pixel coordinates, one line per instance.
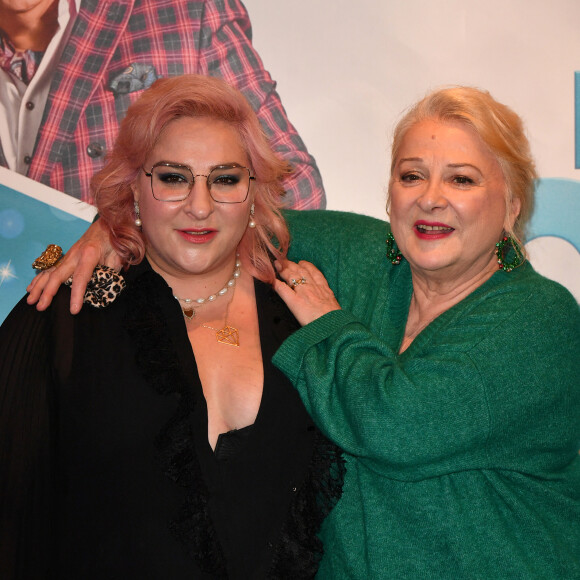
(150, 436)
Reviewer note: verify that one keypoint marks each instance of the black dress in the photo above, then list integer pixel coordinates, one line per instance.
(105, 466)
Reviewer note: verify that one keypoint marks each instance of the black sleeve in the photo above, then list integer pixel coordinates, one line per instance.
(25, 444)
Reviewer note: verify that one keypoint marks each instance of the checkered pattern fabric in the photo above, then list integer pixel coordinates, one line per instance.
(82, 114)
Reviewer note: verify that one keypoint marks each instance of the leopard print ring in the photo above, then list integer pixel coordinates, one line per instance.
(103, 287)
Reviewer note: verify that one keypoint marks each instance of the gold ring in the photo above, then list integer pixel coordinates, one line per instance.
(296, 282)
(49, 258)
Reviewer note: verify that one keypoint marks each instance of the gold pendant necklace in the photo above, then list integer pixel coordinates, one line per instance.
(227, 334)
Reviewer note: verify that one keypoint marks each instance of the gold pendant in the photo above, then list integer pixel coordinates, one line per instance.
(189, 313)
(228, 335)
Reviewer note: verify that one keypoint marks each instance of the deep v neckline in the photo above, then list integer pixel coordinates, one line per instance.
(273, 328)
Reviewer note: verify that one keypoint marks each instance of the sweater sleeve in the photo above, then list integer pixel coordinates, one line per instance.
(25, 444)
(471, 392)
(411, 419)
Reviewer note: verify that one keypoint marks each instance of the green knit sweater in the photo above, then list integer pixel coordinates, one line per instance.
(462, 452)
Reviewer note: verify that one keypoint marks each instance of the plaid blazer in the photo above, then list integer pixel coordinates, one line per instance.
(93, 85)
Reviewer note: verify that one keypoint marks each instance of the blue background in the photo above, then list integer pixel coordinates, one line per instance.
(27, 226)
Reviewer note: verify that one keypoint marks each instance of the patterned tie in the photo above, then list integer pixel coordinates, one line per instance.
(22, 64)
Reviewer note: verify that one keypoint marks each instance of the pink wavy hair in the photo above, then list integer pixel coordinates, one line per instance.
(192, 96)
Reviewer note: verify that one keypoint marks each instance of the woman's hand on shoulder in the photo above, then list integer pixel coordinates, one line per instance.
(79, 262)
(305, 290)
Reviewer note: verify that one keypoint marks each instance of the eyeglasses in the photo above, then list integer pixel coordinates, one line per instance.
(174, 182)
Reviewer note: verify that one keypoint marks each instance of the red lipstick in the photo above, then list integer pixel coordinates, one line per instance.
(432, 230)
(197, 235)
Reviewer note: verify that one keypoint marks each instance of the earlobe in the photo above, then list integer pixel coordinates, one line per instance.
(135, 191)
(515, 208)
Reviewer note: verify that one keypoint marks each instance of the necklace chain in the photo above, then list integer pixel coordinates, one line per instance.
(227, 334)
(189, 305)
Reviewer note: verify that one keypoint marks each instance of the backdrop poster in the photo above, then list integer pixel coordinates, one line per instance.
(31, 217)
(347, 71)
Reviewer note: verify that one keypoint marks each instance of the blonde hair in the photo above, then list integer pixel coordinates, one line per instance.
(499, 128)
(192, 96)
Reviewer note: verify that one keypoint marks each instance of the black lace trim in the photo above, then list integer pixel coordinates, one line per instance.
(160, 367)
(299, 549)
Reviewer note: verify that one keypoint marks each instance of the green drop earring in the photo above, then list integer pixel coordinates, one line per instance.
(500, 251)
(393, 253)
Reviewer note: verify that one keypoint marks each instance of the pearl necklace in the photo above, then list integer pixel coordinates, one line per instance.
(188, 305)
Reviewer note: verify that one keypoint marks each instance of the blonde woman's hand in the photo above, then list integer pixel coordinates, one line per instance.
(79, 262)
(305, 290)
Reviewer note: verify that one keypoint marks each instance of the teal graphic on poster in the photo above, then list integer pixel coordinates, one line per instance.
(557, 210)
(27, 225)
(577, 119)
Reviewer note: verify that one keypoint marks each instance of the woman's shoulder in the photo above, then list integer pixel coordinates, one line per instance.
(316, 233)
(29, 334)
(102, 292)
(316, 220)
(523, 303)
(24, 312)
(535, 290)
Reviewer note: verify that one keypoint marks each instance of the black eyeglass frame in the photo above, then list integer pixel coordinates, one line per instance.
(194, 175)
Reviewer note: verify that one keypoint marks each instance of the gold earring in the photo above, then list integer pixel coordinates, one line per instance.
(252, 223)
